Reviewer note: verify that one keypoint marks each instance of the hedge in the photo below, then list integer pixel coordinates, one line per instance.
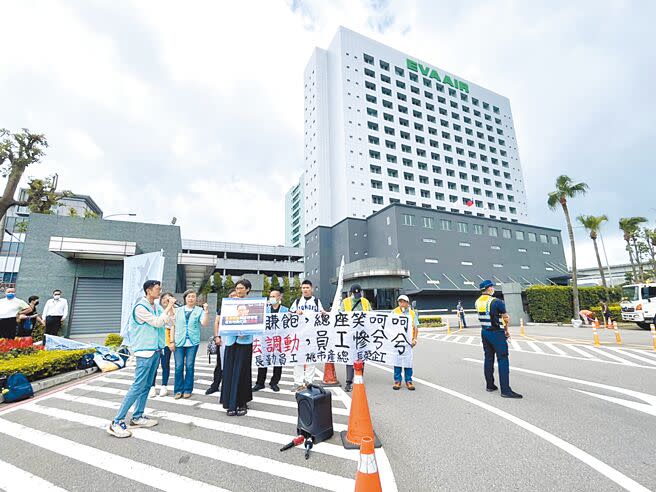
(43, 364)
(113, 340)
(553, 303)
(430, 321)
(615, 313)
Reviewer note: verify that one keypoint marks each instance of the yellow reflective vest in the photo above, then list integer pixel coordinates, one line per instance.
(413, 320)
(347, 304)
(483, 305)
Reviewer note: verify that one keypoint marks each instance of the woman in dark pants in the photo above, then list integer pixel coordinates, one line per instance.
(218, 369)
(236, 391)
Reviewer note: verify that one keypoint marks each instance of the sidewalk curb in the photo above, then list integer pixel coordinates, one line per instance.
(44, 384)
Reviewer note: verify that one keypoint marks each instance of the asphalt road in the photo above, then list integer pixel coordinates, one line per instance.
(585, 423)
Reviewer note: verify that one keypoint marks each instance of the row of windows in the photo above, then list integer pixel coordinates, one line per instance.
(478, 229)
(415, 78)
(471, 263)
(379, 200)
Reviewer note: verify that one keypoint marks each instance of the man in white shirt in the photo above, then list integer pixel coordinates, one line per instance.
(10, 306)
(55, 313)
(304, 374)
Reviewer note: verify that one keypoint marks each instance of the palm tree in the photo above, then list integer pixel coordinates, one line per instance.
(593, 224)
(630, 227)
(565, 189)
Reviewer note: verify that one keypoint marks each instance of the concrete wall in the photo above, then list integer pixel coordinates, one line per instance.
(42, 271)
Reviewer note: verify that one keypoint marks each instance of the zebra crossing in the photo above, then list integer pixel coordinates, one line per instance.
(610, 355)
(194, 436)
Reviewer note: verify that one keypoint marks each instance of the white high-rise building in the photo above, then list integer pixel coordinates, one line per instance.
(294, 231)
(384, 127)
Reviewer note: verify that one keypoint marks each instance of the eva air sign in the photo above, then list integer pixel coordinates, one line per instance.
(432, 74)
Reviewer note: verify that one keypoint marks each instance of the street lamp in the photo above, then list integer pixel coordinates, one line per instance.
(119, 215)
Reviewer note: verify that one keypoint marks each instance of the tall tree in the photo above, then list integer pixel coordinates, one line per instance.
(630, 226)
(266, 286)
(650, 239)
(565, 189)
(296, 289)
(275, 282)
(17, 152)
(592, 224)
(287, 298)
(228, 285)
(42, 196)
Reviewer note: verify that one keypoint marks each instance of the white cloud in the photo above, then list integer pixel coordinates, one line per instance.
(196, 111)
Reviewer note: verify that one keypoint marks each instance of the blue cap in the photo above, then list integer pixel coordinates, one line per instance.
(485, 284)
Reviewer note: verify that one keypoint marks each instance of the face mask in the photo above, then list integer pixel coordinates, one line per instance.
(273, 301)
(11, 296)
(357, 295)
(56, 296)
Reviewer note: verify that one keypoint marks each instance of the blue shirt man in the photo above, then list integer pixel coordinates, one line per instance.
(494, 334)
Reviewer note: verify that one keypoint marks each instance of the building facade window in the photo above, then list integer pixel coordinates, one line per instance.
(408, 219)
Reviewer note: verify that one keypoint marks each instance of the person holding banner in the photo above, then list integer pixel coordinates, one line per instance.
(146, 328)
(404, 308)
(274, 306)
(218, 369)
(186, 332)
(236, 390)
(304, 374)
(355, 302)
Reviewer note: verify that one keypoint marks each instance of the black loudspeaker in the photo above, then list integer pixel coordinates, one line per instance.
(315, 413)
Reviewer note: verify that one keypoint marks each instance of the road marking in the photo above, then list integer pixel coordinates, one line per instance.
(14, 479)
(280, 469)
(469, 340)
(239, 430)
(604, 353)
(515, 344)
(553, 347)
(457, 338)
(536, 348)
(134, 470)
(582, 352)
(648, 407)
(596, 464)
(634, 356)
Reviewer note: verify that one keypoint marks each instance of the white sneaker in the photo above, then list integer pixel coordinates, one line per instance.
(143, 421)
(163, 391)
(119, 430)
(152, 392)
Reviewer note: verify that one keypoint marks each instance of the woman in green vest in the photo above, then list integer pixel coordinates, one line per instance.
(188, 322)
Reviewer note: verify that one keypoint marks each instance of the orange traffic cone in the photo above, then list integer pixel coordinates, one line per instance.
(359, 424)
(367, 478)
(329, 375)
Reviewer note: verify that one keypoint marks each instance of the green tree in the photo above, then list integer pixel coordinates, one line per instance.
(630, 226)
(42, 196)
(650, 240)
(296, 289)
(21, 226)
(90, 214)
(217, 284)
(228, 285)
(275, 282)
(565, 189)
(72, 212)
(287, 298)
(266, 288)
(592, 224)
(17, 152)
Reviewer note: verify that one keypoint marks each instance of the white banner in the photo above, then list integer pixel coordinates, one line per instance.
(136, 270)
(290, 339)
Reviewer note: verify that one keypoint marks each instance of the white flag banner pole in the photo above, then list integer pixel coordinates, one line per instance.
(337, 300)
(136, 270)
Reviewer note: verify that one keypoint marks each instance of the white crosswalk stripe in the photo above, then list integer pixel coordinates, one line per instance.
(610, 355)
(271, 420)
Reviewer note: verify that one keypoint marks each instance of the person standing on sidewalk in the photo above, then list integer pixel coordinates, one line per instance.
(304, 373)
(147, 324)
(188, 322)
(10, 307)
(404, 308)
(461, 314)
(55, 313)
(494, 333)
(236, 390)
(218, 369)
(354, 302)
(274, 306)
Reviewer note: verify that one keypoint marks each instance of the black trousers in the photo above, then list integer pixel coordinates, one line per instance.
(8, 327)
(262, 372)
(218, 372)
(53, 325)
(236, 388)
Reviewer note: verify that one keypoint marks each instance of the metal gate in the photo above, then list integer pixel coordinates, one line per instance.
(96, 306)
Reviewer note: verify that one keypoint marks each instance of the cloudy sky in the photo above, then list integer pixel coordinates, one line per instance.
(195, 109)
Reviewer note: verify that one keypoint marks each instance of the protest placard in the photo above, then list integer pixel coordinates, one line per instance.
(242, 316)
(290, 339)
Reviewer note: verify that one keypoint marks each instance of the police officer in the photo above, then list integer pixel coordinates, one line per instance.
(494, 323)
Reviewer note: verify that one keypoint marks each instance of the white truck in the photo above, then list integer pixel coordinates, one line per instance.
(639, 304)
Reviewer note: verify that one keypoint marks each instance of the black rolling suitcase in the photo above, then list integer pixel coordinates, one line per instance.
(315, 413)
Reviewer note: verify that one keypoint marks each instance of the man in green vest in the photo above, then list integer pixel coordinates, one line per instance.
(494, 333)
(354, 302)
(147, 338)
